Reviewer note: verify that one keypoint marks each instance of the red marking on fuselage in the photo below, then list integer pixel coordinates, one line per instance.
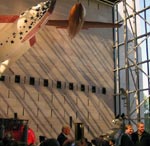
(8, 18)
(36, 28)
(32, 41)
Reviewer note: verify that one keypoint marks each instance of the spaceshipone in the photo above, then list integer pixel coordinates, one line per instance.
(20, 35)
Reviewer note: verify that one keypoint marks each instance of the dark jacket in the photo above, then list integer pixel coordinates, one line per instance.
(144, 141)
(105, 143)
(61, 139)
(126, 140)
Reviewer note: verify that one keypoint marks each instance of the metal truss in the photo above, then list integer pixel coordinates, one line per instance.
(129, 93)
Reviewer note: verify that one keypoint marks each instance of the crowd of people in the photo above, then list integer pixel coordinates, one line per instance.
(138, 138)
(65, 139)
(129, 138)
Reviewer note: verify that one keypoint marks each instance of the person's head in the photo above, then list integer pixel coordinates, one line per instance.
(50, 142)
(140, 127)
(66, 129)
(111, 142)
(101, 137)
(128, 129)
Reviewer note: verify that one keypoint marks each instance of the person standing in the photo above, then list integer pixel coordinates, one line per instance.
(141, 137)
(63, 136)
(126, 139)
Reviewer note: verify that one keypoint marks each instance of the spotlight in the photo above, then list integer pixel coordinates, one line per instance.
(59, 84)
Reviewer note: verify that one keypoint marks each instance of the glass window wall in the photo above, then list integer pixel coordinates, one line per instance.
(132, 60)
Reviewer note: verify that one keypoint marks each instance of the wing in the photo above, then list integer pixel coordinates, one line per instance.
(8, 18)
(86, 25)
(91, 24)
(58, 23)
(76, 21)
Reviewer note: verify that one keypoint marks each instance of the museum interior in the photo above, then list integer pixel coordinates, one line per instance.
(52, 74)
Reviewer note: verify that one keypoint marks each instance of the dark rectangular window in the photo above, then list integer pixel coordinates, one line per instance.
(45, 83)
(17, 79)
(70, 86)
(82, 87)
(2, 78)
(93, 89)
(32, 80)
(59, 84)
(103, 90)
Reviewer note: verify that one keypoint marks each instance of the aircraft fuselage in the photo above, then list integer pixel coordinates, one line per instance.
(19, 36)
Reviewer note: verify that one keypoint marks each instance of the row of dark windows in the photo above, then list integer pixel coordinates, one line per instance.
(59, 84)
(82, 87)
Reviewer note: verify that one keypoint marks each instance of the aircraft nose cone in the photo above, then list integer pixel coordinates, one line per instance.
(53, 2)
(52, 5)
